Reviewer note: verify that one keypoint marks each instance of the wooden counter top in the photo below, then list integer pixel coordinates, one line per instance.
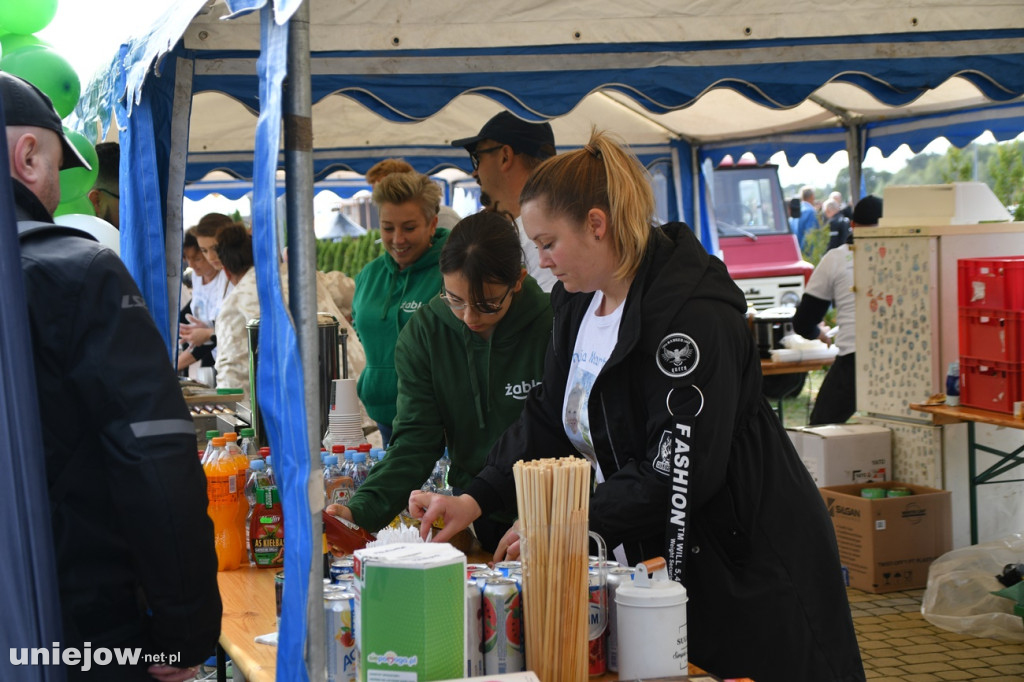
(949, 414)
(249, 610)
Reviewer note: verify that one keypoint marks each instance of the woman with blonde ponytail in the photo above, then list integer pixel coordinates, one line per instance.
(653, 375)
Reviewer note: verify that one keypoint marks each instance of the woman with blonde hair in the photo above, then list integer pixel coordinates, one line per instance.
(392, 287)
(690, 462)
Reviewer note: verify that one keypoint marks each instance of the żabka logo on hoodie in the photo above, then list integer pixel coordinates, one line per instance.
(411, 306)
(520, 390)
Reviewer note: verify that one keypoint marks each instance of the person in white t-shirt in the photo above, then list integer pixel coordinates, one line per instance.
(831, 284)
(209, 287)
(504, 153)
(690, 461)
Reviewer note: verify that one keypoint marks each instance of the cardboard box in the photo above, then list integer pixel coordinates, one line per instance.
(840, 454)
(402, 584)
(888, 544)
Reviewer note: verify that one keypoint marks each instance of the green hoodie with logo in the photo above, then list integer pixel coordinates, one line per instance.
(458, 390)
(385, 299)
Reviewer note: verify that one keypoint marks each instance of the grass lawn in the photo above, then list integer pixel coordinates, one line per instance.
(797, 410)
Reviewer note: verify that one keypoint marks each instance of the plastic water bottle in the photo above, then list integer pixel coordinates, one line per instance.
(359, 470)
(247, 443)
(257, 479)
(953, 384)
(338, 487)
(270, 467)
(208, 452)
(439, 476)
(265, 521)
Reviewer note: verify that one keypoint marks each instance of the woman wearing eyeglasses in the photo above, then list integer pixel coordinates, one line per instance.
(465, 363)
(392, 287)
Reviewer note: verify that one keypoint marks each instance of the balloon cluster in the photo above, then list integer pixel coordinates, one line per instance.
(26, 56)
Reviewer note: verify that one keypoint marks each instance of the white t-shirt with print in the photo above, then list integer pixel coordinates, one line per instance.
(594, 345)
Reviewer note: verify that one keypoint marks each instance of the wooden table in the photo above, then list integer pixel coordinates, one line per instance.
(249, 610)
(770, 367)
(1005, 461)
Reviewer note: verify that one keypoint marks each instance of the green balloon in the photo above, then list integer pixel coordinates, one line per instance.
(27, 16)
(76, 182)
(15, 41)
(48, 71)
(78, 205)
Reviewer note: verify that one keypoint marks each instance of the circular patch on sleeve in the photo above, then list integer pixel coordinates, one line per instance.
(677, 355)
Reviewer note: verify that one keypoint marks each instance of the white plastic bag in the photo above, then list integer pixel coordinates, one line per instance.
(958, 597)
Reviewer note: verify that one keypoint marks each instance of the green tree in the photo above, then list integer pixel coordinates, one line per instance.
(1006, 169)
(957, 165)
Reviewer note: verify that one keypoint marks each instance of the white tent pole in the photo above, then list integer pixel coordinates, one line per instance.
(855, 152)
(173, 225)
(298, 159)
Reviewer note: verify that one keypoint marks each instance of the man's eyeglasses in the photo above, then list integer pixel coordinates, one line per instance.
(482, 307)
(474, 156)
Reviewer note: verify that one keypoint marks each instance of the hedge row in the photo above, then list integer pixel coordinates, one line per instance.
(348, 254)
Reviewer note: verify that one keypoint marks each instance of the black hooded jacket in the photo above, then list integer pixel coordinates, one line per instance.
(682, 431)
(135, 557)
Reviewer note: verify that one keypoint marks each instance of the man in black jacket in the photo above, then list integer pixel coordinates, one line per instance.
(136, 564)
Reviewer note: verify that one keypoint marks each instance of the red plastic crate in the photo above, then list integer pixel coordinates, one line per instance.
(992, 335)
(993, 283)
(990, 385)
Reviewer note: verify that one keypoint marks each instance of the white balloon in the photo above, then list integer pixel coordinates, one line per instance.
(105, 233)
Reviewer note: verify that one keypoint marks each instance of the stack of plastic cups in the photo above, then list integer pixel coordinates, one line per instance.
(344, 420)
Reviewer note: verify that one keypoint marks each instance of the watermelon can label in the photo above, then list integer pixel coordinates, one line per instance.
(474, 630)
(502, 627)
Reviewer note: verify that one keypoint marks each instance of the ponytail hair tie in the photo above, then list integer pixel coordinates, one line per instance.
(593, 150)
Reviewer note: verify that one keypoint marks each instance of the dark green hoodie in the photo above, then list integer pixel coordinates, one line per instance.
(454, 389)
(385, 299)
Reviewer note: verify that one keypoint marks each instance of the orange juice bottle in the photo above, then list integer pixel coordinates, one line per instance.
(222, 489)
(242, 464)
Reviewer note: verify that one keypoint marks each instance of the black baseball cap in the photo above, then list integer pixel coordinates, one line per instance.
(867, 211)
(523, 136)
(27, 105)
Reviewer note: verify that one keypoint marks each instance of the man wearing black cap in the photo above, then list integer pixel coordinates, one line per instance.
(504, 153)
(136, 565)
(831, 283)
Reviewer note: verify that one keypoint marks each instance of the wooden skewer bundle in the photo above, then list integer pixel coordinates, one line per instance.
(553, 496)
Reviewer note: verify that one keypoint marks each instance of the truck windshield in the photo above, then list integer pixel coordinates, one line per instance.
(748, 202)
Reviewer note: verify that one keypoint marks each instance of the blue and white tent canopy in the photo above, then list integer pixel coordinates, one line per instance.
(693, 80)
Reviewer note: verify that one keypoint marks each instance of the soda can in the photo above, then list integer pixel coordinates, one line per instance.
(481, 577)
(473, 568)
(598, 620)
(517, 575)
(340, 567)
(341, 656)
(506, 566)
(503, 627)
(474, 631)
(617, 576)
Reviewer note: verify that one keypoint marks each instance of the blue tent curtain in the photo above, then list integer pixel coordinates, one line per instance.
(144, 139)
(279, 369)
